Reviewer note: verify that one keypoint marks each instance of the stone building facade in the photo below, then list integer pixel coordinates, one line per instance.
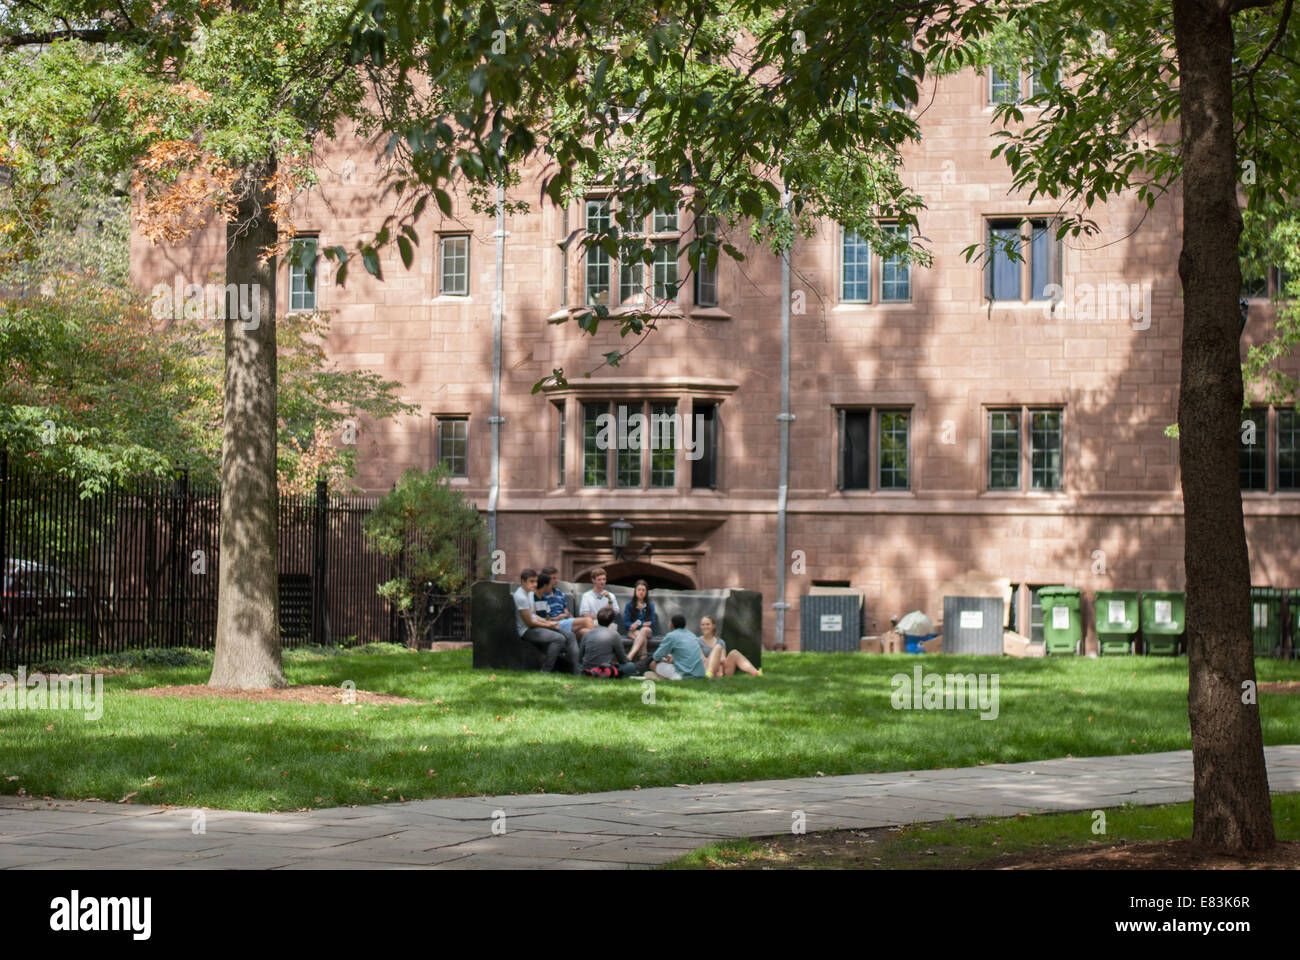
(946, 419)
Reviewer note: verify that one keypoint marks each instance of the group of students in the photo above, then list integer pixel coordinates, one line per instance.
(590, 643)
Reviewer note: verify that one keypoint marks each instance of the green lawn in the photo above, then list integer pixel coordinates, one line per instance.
(966, 843)
(478, 732)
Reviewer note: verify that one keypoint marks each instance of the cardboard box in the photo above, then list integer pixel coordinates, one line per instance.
(870, 645)
(933, 646)
(893, 643)
(1016, 645)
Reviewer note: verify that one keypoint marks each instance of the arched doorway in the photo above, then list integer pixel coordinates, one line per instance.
(658, 576)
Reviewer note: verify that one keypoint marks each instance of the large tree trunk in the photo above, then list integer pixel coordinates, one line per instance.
(1231, 811)
(248, 630)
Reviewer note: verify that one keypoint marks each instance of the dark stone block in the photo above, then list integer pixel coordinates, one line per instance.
(492, 629)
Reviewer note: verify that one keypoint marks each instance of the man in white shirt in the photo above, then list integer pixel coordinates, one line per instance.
(598, 597)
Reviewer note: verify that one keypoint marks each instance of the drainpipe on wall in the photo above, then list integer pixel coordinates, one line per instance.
(785, 417)
(498, 296)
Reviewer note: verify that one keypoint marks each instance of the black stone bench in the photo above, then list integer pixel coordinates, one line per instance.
(738, 614)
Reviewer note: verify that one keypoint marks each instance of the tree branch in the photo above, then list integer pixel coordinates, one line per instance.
(49, 36)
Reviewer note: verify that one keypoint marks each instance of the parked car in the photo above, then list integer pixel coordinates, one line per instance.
(34, 593)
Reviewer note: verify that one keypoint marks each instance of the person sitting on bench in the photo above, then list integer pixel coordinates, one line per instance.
(559, 605)
(532, 625)
(678, 654)
(641, 619)
(597, 597)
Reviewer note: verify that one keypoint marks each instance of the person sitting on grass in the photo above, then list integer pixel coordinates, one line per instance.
(717, 662)
(678, 654)
(602, 649)
(559, 605)
(557, 608)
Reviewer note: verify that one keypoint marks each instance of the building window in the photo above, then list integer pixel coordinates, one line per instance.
(895, 273)
(1045, 449)
(559, 408)
(1004, 84)
(1042, 69)
(855, 449)
(665, 221)
(1035, 615)
(1004, 449)
(626, 432)
(704, 446)
(1252, 450)
(855, 268)
(1007, 80)
(893, 449)
(706, 277)
(663, 235)
(598, 260)
(595, 459)
(1260, 283)
(302, 274)
(1009, 275)
(1254, 282)
(665, 271)
(1288, 450)
(1045, 439)
(453, 445)
(454, 272)
(564, 263)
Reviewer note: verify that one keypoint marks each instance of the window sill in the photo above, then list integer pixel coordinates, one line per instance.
(656, 311)
(852, 306)
(856, 494)
(452, 298)
(1026, 494)
(710, 313)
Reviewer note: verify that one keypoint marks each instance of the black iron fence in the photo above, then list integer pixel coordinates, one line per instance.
(136, 566)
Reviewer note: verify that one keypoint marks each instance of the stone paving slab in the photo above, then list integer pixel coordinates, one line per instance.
(615, 830)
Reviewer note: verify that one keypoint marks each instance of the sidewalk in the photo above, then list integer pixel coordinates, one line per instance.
(615, 830)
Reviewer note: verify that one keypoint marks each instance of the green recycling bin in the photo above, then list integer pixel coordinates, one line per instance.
(1266, 620)
(1164, 619)
(1062, 622)
(1116, 616)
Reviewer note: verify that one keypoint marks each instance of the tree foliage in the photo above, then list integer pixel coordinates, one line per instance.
(424, 526)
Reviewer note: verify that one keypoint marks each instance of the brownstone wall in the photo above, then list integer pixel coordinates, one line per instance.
(947, 355)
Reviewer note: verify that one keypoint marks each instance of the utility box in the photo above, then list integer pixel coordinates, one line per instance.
(973, 625)
(830, 623)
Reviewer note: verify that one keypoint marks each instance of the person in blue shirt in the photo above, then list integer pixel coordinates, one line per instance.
(678, 654)
(641, 619)
(558, 606)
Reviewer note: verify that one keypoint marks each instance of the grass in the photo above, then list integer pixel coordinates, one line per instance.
(967, 843)
(479, 732)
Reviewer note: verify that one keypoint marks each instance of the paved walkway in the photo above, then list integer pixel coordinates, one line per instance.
(615, 830)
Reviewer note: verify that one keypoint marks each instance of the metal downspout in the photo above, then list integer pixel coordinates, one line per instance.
(496, 419)
(785, 417)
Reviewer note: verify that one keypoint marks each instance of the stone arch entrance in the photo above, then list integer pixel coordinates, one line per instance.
(658, 575)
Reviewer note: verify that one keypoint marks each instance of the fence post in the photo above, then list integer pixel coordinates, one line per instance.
(320, 615)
